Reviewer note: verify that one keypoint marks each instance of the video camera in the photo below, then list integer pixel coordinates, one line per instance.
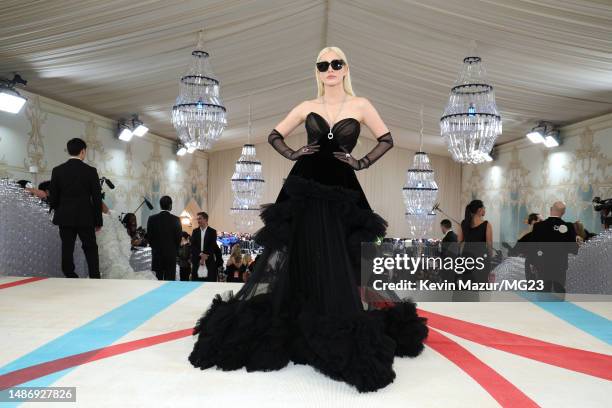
(602, 205)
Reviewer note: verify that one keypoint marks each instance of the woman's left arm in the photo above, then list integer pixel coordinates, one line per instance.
(489, 238)
(374, 122)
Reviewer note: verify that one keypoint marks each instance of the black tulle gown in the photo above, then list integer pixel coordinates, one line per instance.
(302, 303)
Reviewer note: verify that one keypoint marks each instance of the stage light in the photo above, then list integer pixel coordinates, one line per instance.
(536, 135)
(181, 150)
(552, 139)
(123, 131)
(10, 100)
(191, 148)
(139, 129)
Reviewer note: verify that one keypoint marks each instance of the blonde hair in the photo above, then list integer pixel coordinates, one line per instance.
(236, 254)
(346, 82)
(246, 259)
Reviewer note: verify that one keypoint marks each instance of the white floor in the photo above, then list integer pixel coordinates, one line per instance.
(35, 313)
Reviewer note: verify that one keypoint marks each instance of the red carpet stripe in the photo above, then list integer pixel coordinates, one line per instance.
(504, 392)
(582, 361)
(21, 282)
(40, 370)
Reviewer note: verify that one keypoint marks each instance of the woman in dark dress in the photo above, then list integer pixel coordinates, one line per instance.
(476, 237)
(233, 268)
(302, 303)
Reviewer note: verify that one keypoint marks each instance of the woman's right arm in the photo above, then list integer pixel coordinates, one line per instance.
(277, 137)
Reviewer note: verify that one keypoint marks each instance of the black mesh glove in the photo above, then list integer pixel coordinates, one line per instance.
(385, 142)
(278, 143)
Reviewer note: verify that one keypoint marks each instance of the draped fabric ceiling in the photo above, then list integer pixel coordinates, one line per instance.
(548, 59)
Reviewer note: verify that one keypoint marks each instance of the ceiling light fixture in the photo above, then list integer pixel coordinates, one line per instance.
(10, 100)
(139, 129)
(124, 132)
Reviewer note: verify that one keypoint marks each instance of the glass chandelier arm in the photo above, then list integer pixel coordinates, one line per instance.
(385, 143)
(278, 143)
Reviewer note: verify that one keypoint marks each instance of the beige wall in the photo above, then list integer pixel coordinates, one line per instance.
(382, 182)
(526, 178)
(144, 167)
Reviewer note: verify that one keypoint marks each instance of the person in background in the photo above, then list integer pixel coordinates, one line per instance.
(448, 248)
(184, 257)
(582, 234)
(248, 264)
(476, 235)
(234, 268)
(42, 191)
(164, 233)
(75, 197)
(554, 240)
(206, 257)
(137, 234)
(530, 221)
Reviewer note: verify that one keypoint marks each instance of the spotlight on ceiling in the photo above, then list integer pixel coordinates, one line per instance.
(139, 129)
(545, 133)
(536, 134)
(191, 148)
(123, 131)
(552, 139)
(10, 100)
(181, 150)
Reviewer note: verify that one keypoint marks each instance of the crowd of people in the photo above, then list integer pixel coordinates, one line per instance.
(544, 245)
(75, 196)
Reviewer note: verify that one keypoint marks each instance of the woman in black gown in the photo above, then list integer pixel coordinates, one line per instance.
(302, 303)
(476, 238)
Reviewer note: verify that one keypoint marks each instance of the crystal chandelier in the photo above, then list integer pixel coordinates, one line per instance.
(247, 186)
(198, 114)
(419, 225)
(420, 192)
(471, 123)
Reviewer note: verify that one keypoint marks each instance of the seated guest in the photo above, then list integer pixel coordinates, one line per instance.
(42, 191)
(247, 266)
(234, 267)
(582, 234)
(137, 235)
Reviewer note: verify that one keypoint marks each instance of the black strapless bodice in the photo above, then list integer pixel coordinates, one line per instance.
(345, 133)
(322, 166)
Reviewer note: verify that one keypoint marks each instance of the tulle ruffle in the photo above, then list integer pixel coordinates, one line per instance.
(358, 349)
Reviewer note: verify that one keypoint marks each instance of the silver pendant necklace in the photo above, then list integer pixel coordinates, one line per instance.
(330, 135)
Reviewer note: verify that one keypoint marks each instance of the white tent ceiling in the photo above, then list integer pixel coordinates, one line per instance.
(548, 59)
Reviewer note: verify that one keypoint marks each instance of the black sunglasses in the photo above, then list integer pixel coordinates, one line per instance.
(336, 65)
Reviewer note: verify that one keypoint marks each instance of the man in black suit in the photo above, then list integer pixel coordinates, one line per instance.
(164, 234)
(448, 248)
(206, 258)
(552, 240)
(76, 198)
